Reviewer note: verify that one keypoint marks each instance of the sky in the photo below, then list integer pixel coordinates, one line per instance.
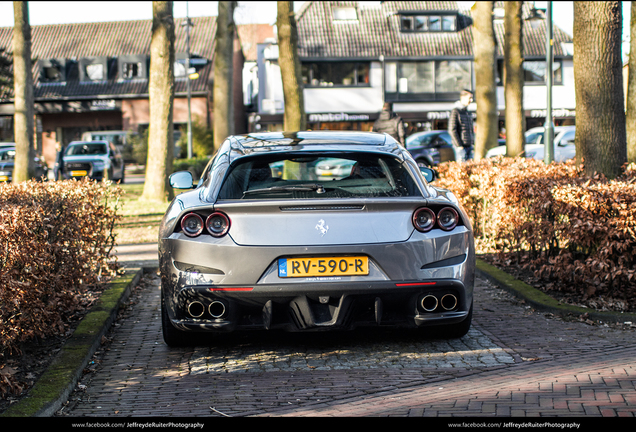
(248, 12)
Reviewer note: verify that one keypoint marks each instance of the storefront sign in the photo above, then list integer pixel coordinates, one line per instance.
(337, 117)
(560, 112)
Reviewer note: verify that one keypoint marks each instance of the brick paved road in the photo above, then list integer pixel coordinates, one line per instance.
(514, 362)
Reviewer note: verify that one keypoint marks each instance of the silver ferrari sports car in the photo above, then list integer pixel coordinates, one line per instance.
(268, 238)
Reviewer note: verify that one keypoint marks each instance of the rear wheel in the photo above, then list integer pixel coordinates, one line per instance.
(456, 331)
(423, 163)
(171, 336)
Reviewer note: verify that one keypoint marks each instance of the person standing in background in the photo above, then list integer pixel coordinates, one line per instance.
(390, 123)
(460, 124)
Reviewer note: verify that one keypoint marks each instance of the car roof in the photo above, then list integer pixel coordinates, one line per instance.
(87, 142)
(307, 141)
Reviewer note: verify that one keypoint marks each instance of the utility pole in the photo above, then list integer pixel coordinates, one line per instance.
(188, 24)
(548, 135)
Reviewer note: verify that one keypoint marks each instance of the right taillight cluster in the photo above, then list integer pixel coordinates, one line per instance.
(217, 224)
(425, 219)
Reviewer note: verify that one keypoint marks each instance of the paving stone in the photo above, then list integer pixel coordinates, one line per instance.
(513, 362)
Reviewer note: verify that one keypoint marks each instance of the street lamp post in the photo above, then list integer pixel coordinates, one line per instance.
(188, 24)
(548, 155)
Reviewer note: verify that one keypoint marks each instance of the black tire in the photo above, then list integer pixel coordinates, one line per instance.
(423, 163)
(456, 331)
(172, 336)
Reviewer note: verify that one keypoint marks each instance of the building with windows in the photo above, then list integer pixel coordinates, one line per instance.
(95, 77)
(356, 55)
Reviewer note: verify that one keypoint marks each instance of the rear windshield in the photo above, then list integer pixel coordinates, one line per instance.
(325, 176)
(86, 149)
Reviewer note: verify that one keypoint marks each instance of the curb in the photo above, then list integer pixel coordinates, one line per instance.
(56, 384)
(541, 301)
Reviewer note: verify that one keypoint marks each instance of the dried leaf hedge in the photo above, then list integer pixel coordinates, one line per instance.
(575, 233)
(55, 243)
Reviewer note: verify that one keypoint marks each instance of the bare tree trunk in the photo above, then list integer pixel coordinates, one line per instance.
(513, 79)
(223, 71)
(485, 86)
(630, 122)
(295, 119)
(600, 116)
(161, 92)
(24, 168)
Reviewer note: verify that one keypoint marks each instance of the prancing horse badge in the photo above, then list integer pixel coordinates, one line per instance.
(322, 227)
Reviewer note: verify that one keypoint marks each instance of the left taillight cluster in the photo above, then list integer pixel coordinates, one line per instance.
(217, 224)
(425, 219)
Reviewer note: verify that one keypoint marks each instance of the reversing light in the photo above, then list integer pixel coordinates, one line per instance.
(192, 224)
(447, 218)
(217, 224)
(423, 219)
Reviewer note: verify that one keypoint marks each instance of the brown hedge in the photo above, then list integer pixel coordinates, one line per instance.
(55, 244)
(577, 234)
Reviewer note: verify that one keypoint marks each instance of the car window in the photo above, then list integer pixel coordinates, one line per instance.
(534, 138)
(418, 141)
(326, 176)
(86, 149)
(446, 137)
(7, 154)
(567, 138)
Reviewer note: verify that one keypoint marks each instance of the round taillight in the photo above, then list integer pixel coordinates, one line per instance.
(423, 219)
(217, 224)
(192, 224)
(447, 218)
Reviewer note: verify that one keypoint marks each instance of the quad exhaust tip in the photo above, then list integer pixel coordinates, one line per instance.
(216, 309)
(430, 302)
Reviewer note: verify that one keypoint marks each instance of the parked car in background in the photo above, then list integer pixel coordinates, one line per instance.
(431, 148)
(98, 160)
(243, 249)
(564, 148)
(7, 163)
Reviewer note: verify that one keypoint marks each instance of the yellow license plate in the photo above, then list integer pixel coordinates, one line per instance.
(79, 173)
(4, 178)
(325, 173)
(323, 266)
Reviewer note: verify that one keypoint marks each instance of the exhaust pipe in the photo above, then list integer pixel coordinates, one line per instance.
(196, 309)
(216, 309)
(449, 302)
(429, 303)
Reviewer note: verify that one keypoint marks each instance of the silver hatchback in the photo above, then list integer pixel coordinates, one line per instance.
(263, 241)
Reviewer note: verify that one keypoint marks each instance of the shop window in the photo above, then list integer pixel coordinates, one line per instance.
(329, 74)
(534, 72)
(429, 77)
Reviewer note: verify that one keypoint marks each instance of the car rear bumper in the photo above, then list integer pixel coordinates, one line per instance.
(321, 306)
(206, 294)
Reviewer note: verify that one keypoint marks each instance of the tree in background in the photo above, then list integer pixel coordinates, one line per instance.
(161, 94)
(630, 122)
(513, 79)
(24, 167)
(485, 87)
(598, 77)
(202, 139)
(223, 70)
(291, 72)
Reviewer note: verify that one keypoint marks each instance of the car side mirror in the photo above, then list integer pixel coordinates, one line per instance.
(429, 174)
(181, 180)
